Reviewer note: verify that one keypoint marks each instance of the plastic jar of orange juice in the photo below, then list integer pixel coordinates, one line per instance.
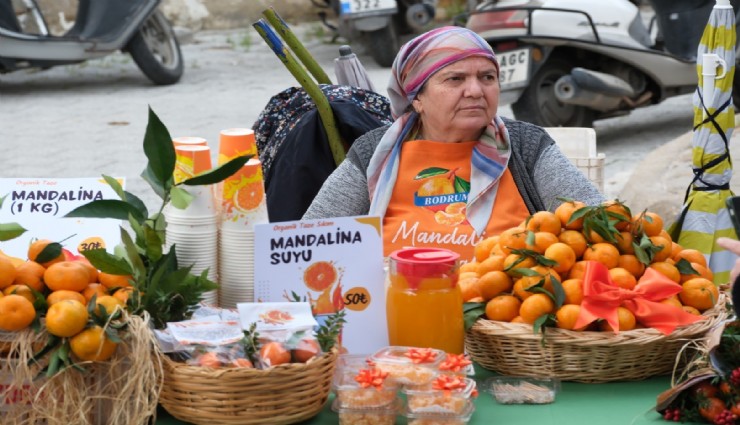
(424, 306)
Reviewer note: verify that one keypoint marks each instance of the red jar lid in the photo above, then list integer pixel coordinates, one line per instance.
(419, 263)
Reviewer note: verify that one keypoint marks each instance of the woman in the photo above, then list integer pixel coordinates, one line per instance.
(449, 171)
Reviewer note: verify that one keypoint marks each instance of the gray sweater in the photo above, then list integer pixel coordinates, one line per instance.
(540, 170)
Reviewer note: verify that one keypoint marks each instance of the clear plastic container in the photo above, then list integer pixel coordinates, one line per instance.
(523, 390)
(426, 418)
(352, 362)
(350, 394)
(426, 399)
(401, 367)
(379, 416)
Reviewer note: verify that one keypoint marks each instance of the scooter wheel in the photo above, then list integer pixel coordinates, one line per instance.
(156, 51)
(383, 44)
(539, 105)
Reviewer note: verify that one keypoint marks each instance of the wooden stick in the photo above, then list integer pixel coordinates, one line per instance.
(312, 89)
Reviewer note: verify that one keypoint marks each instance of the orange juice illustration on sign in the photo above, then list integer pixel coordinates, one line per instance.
(444, 193)
(323, 276)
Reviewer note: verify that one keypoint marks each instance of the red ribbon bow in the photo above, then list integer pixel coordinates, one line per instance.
(421, 355)
(601, 298)
(449, 383)
(371, 378)
(455, 362)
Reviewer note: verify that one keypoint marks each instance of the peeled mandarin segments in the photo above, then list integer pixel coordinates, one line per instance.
(235, 142)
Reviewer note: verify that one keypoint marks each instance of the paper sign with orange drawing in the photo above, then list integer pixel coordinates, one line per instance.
(40, 204)
(333, 264)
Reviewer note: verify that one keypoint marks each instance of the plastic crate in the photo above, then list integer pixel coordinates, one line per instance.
(592, 168)
(579, 145)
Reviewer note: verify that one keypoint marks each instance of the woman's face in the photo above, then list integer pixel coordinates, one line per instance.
(459, 100)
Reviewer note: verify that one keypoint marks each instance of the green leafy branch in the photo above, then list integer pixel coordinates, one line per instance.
(472, 311)
(250, 341)
(328, 333)
(166, 291)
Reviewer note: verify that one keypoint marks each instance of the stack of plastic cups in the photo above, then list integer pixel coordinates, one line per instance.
(194, 230)
(243, 206)
(234, 142)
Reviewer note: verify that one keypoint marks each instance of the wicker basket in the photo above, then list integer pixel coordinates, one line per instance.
(513, 349)
(284, 394)
(6, 339)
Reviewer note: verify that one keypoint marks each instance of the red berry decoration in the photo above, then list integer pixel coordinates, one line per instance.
(735, 377)
(725, 417)
(672, 414)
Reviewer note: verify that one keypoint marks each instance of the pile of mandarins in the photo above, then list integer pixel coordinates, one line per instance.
(62, 290)
(519, 273)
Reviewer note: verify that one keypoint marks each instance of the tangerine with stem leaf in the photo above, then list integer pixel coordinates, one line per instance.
(92, 344)
(45, 248)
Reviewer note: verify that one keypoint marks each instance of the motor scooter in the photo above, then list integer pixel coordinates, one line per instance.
(380, 24)
(570, 62)
(101, 27)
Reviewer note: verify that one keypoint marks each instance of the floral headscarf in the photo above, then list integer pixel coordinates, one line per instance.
(418, 60)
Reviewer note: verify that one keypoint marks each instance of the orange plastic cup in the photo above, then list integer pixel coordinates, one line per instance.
(244, 191)
(234, 142)
(189, 141)
(191, 161)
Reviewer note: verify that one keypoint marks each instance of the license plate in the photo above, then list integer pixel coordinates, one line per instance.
(365, 6)
(514, 68)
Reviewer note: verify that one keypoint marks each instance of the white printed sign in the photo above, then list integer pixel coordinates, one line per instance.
(333, 264)
(40, 204)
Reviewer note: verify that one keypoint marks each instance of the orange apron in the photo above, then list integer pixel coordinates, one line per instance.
(427, 207)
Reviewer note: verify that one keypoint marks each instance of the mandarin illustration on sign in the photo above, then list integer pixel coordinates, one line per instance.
(323, 277)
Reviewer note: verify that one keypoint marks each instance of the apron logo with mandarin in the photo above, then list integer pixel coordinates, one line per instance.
(444, 193)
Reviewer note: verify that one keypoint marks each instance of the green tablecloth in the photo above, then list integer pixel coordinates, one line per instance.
(618, 403)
